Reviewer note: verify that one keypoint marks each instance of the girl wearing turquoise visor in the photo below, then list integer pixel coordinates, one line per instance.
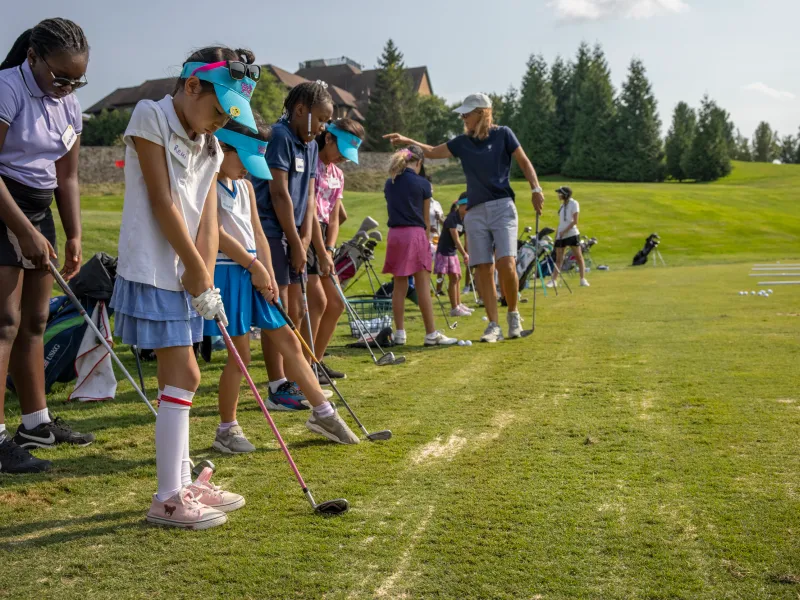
(339, 143)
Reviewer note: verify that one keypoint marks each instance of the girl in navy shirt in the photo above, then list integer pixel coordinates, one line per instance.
(408, 251)
(40, 125)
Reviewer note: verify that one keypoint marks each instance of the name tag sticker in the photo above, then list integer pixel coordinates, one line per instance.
(69, 137)
(334, 183)
(179, 149)
(299, 164)
(459, 228)
(227, 202)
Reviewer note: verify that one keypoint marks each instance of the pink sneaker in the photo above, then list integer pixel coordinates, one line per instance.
(459, 312)
(183, 510)
(212, 496)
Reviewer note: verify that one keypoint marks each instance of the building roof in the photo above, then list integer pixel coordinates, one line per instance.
(152, 89)
(338, 75)
(284, 77)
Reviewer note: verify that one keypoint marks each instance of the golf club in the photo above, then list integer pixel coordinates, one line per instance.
(308, 320)
(139, 367)
(526, 332)
(387, 358)
(76, 303)
(378, 435)
(368, 224)
(444, 313)
(198, 468)
(472, 284)
(376, 235)
(328, 508)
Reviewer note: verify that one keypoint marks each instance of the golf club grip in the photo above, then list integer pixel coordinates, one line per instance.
(235, 353)
(77, 304)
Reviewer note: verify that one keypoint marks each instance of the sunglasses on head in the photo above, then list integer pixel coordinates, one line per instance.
(61, 82)
(236, 68)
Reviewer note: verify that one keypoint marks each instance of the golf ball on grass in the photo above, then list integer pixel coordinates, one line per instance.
(484, 318)
(461, 343)
(468, 343)
(769, 291)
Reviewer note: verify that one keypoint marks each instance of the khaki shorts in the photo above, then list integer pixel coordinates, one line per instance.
(491, 230)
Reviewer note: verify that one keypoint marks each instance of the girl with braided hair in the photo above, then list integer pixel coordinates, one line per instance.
(40, 125)
(287, 210)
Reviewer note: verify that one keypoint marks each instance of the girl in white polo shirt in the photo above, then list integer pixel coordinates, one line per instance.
(40, 123)
(167, 248)
(568, 235)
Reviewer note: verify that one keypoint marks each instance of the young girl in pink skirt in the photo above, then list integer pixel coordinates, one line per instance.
(408, 251)
(447, 262)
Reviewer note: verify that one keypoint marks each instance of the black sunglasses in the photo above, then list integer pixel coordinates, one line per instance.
(240, 70)
(59, 82)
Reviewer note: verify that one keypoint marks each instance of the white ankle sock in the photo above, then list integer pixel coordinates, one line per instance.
(35, 419)
(324, 410)
(225, 426)
(172, 441)
(2, 427)
(274, 385)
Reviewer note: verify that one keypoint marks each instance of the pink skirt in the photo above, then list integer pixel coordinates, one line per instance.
(447, 265)
(408, 251)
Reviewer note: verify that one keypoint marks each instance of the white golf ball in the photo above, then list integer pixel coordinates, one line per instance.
(468, 343)
(461, 342)
(742, 293)
(769, 291)
(753, 293)
(484, 318)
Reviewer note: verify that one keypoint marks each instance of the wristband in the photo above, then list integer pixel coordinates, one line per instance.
(536, 190)
(330, 249)
(252, 262)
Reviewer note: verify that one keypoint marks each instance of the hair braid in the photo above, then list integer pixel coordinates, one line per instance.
(46, 38)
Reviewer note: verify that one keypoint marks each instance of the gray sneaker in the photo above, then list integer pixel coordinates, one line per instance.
(492, 334)
(514, 325)
(232, 441)
(332, 428)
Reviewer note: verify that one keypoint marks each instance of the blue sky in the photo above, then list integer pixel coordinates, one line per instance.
(744, 53)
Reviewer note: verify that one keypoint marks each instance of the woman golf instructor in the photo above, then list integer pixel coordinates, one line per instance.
(491, 223)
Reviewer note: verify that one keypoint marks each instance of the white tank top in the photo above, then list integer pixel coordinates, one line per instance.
(235, 216)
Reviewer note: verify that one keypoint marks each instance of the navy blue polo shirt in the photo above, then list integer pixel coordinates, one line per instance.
(405, 198)
(447, 247)
(486, 164)
(288, 153)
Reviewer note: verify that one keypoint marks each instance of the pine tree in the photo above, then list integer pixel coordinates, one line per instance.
(788, 149)
(440, 123)
(561, 83)
(592, 150)
(640, 154)
(679, 140)
(536, 128)
(765, 143)
(392, 103)
(742, 151)
(505, 107)
(268, 97)
(708, 158)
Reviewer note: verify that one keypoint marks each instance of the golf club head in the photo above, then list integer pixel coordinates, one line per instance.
(380, 436)
(198, 468)
(376, 235)
(331, 508)
(528, 229)
(399, 360)
(368, 224)
(526, 332)
(454, 325)
(386, 359)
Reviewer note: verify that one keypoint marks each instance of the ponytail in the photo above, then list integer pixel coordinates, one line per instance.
(404, 157)
(48, 37)
(19, 51)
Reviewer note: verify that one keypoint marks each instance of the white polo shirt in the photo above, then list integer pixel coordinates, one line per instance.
(235, 216)
(565, 215)
(145, 255)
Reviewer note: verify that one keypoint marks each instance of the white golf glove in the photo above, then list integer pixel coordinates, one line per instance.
(209, 305)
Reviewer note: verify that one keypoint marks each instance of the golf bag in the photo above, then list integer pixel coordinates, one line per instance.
(649, 245)
(356, 253)
(528, 252)
(65, 325)
(571, 261)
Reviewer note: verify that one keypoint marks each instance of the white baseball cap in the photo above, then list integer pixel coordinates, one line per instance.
(472, 102)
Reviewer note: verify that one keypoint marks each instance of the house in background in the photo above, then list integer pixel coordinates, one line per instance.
(349, 85)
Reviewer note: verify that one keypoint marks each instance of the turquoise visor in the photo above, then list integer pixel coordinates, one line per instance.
(252, 152)
(347, 143)
(461, 202)
(233, 95)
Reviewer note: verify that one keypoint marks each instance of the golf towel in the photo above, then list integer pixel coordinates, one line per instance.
(96, 380)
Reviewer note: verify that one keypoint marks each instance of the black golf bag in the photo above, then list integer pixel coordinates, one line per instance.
(649, 245)
(527, 255)
(65, 325)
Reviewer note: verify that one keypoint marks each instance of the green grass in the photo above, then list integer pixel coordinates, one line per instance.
(642, 444)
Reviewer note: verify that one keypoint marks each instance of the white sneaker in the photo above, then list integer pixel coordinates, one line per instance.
(399, 337)
(514, 325)
(437, 338)
(492, 334)
(467, 308)
(459, 312)
(584, 283)
(552, 284)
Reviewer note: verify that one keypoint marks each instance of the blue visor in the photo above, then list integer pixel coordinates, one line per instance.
(234, 95)
(461, 202)
(347, 143)
(252, 152)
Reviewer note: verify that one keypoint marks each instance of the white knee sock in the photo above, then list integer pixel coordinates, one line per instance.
(172, 440)
(33, 420)
(2, 427)
(324, 410)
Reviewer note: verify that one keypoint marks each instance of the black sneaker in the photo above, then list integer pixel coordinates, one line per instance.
(334, 374)
(49, 435)
(14, 459)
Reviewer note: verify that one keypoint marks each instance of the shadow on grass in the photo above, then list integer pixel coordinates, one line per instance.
(121, 520)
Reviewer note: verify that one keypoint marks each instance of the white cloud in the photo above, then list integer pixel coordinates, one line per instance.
(763, 88)
(593, 10)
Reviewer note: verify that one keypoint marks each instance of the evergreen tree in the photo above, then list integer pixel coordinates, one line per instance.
(640, 154)
(797, 153)
(439, 121)
(765, 143)
(788, 149)
(393, 102)
(268, 97)
(679, 140)
(505, 107)
(106, 129)
(536, 128)
(592, 150)
(708, 158)
(742, 151)
(561, 84)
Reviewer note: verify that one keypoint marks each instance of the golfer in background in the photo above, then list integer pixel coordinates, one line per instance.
(485, 151)
(568, 235)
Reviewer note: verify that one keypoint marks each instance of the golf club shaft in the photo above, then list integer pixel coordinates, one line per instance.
(235, 353)
(77, 304)
(308, 320)
(539, 271)
(139, 367)
(292, 326)
(356, 318)
(444, 314)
